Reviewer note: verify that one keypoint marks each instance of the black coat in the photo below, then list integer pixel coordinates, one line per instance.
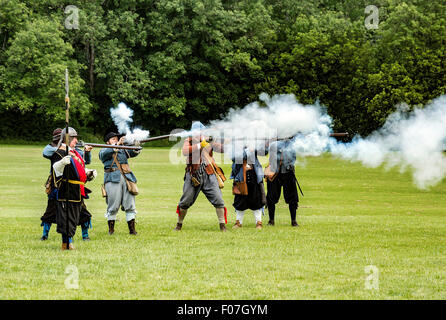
(74, 190)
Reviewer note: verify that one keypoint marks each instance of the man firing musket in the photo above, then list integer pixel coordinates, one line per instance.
(280, 173)
(201, 174)
(119, 181)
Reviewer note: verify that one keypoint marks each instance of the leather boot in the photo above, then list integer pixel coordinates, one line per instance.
(132, 229)
(271, 222)
(64, 247)
(237, 225)
(111, 227)
(259, 225)
(222, 227)
(178, 227)
(294, 223)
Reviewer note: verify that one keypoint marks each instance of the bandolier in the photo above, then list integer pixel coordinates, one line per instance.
(201, 175)
(118, 179)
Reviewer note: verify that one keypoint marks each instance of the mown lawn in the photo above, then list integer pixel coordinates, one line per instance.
(351, 217)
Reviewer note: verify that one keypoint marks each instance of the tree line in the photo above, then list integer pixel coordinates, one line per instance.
(174, 61)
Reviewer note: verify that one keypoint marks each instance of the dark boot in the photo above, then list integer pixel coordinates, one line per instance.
(222, 227)
(178, 227)
(293, 212)
(132, 229)
(271, 213)
(111, 227)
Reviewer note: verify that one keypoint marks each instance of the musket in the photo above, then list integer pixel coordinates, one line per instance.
(166, 136)
(82, 144)
(335, 134)
(339, 134)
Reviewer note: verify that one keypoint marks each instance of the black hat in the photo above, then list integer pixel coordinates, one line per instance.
(110, 135)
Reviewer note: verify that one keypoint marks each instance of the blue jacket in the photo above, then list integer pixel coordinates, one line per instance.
(106, 156)
(49, 150)
(251, 159)
(277, 149)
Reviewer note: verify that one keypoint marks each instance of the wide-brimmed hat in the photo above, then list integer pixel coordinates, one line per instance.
(110, 135)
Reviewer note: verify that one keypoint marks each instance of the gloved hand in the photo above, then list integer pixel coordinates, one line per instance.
(204, 144)
(66, 160)
(60, 165)
(91, 174)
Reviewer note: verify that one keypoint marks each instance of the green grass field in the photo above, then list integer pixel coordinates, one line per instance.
(351, 217)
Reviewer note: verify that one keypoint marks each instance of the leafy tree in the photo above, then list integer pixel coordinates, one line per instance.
(32, 79)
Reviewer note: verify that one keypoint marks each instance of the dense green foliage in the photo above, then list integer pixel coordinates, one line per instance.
(174, 61)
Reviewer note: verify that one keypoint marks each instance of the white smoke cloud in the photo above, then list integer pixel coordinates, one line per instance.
(280, 116)
(410, 140)
(283, 116)
(122, 117)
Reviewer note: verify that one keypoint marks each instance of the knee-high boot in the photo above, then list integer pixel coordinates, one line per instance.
(293, 211)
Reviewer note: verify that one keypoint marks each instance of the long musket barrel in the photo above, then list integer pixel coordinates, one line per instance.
(158, 138)
(335, 134)
(98, 145)
(339, 134)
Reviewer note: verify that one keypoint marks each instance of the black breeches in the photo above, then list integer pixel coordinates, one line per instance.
(288, 182)
(256, 194)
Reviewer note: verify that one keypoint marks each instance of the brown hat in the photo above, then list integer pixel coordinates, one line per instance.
(56, 134)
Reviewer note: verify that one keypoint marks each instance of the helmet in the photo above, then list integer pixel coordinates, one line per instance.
(71, 132)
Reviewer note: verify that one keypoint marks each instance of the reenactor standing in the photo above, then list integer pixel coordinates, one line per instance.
(69, 176)
(248, 188)
(201, 174)
(49, 216)
(119, 182)
(282, 158)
